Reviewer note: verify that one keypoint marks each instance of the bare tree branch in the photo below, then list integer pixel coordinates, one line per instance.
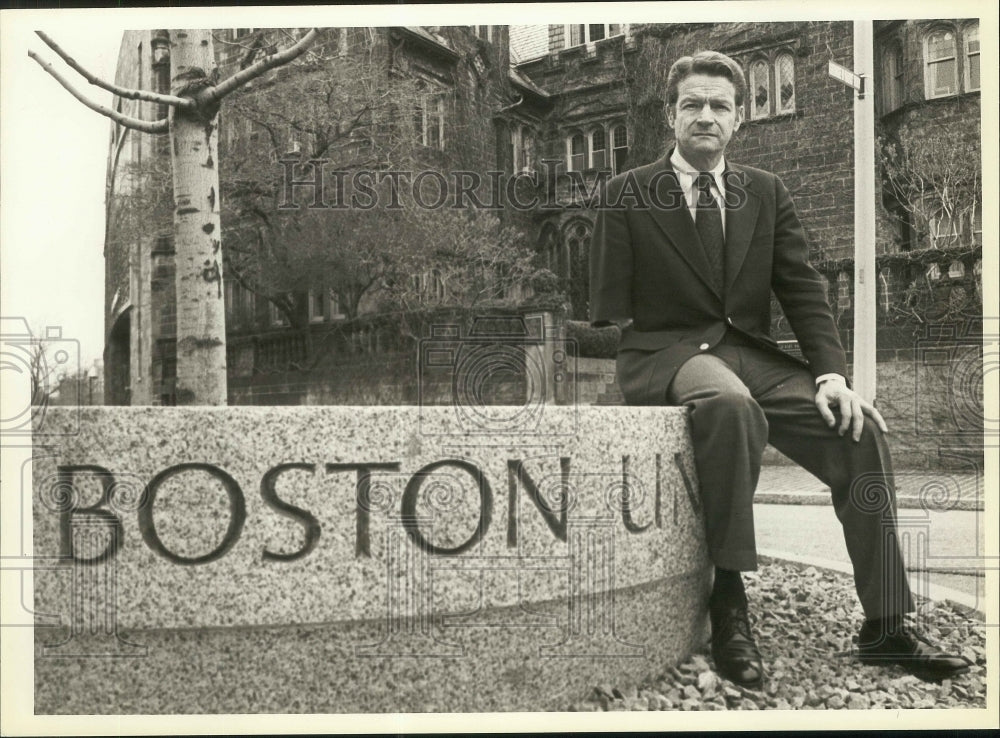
(125, 92)
(146, 126)
(239, 79)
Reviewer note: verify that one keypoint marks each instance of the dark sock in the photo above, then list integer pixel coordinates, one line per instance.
(728, 588)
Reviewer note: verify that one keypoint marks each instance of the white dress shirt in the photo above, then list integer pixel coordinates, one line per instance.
(687, 177)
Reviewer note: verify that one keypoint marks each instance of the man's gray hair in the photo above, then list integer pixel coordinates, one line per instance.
(706, 62)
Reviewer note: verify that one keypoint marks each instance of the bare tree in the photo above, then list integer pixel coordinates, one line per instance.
(192, 124)
(935, 177)
(352, 106)
(45, 374)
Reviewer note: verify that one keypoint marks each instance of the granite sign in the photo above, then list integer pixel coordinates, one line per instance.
(171, 531)
(518, 480)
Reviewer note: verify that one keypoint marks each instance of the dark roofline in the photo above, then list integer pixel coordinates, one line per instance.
(526, 84)
(429, 41)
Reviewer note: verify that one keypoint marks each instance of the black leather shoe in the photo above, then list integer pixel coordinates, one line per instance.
(900, 644)
(733, 648)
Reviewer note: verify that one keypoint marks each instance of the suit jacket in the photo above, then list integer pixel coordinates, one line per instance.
(648, 264)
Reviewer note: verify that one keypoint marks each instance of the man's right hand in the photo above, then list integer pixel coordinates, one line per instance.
(835, 392)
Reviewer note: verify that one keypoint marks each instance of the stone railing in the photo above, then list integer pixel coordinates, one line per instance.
(361, 559)
(914, 287)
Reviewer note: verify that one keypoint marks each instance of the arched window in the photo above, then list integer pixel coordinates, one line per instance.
(771, 84)
(549, 247)
(785, 75)
(971, 34)
(576, 236)
(619, 152)
(598, 149)
(577, 150)
(940, 64)
(527, 158)
(760, 96)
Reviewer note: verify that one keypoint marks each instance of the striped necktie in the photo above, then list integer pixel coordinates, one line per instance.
(708, 222)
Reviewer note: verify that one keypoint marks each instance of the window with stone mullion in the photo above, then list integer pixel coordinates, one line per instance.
(578, 153)
(941, 64)
(598, 150)
(619, 143)
(771, 83)
(428, 121)
(785, 78)
(527, 157)
(577, 34)
(892, 77)
(972, 58)
(760, 90)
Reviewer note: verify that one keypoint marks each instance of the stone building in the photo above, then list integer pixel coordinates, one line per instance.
(567, 107)
(606, 89)
(457, 115)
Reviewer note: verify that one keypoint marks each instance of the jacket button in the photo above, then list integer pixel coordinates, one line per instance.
(704, 347)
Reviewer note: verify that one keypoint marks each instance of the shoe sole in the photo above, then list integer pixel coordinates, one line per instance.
(923, 673)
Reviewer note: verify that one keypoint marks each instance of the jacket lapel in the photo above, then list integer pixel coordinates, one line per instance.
(669, 210)
(742, 206)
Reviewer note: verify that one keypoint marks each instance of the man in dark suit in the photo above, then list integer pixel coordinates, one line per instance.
(685, 254)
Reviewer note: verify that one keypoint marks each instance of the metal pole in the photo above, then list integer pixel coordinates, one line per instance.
(864, 215)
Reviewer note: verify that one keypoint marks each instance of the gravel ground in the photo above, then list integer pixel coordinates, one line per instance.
(806, 621)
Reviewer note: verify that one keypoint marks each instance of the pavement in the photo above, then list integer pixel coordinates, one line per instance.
(940, 521)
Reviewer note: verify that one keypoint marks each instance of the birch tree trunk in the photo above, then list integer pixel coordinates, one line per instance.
(192, 124)
(201, 317)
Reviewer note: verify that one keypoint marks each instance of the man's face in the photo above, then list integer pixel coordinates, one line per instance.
(704, 118)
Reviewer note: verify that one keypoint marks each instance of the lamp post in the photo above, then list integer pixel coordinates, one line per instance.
(864, 205)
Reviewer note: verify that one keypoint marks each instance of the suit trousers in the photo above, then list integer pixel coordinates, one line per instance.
(740, 397)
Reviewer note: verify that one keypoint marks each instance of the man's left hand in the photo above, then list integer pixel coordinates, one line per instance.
(836, 393)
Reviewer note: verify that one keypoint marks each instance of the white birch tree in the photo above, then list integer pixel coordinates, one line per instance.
(193, 104)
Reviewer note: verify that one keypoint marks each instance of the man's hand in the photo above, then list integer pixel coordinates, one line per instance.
(852, 408)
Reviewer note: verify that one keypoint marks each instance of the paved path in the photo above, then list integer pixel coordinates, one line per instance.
(941, 525)
(936, 490)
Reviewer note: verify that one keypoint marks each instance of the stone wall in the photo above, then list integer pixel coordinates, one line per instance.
(929, 381)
